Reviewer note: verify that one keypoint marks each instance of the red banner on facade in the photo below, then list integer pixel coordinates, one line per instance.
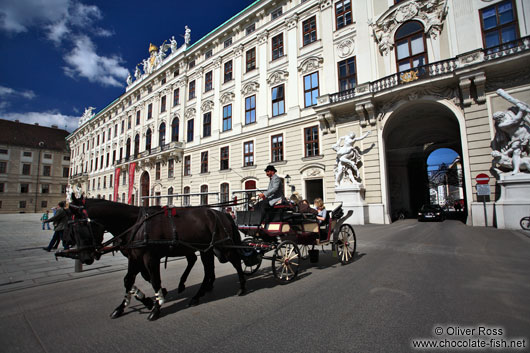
(116, 183)
(132, 167)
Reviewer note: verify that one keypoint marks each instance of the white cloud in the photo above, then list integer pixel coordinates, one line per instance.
(10, 92)
(69, 123)
(17, 16)
(83, 61)
(57, 31)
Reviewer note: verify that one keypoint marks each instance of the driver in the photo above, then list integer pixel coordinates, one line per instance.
(274, 193)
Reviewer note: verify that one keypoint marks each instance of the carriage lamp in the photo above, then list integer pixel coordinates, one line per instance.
(288, 182)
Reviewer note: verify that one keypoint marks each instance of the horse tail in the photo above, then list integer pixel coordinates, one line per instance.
(236, 236)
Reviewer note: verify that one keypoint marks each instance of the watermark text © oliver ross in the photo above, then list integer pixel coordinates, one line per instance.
(469, 337)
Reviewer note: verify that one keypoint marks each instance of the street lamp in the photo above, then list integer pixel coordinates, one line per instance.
(41, 144)
(288, 181)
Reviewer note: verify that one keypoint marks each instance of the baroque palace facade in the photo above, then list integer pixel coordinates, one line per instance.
(282, 81)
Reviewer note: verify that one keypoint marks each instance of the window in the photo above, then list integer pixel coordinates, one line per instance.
(250, 29)
(129, 123)
(190, 130)
(208, 81)
(176, 93)
(65, 172)
(26, 169)
(101, 162)
(128, 148)
(278, 100)
(204, 194)
(227, 117)
(311, 141)
(228, 42)
(248, 154)
(224, 158)
(26, 154)
(187, 165)
(207, 124)
(44, 204)
(22, 204)
(47, 156)
(186, 199)
(3, 151)
(2, 187)
(157, 170)
(3, 167)
(124, 178)
(162, 135)
(251, 59)
(66, 158)
(204, 162)
(208, 54)
(169, 198)
(104, 182)
(149, 112)
(225, 192)
(277, 148)
(47, 170)
(163, 104)
(311, 89)
(191, 65)
(103, 137)
(343, 13)
(276, 13)
(45, 188)
(24, 188)
(277, 46)
(170, 168)
(138, 113)
(191, 87)
(149, 89)
(176, 73)
(410, 46)
(110, 181)
(309, 27)
(148, 140)
(175, 129)
(250, 110)
(228, 71)
(499, 24)
(347, 74)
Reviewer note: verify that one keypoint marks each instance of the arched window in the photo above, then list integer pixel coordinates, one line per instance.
(162, 135)
(225, 192)
(175, 129)
(169, 198)
(250, 185)
(148, 140)
(410, 46)
(204, 198)
(128, 148)
(186, 199)
(136, 144)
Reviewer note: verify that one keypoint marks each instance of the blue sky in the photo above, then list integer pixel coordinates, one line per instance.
(61, 56)
(439, 156)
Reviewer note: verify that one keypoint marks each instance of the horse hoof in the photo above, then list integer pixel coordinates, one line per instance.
(116, 313)
(194, 302)
(154, 314)
(241, 292)
(182, 287)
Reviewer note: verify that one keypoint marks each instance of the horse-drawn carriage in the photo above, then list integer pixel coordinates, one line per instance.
(292, 236)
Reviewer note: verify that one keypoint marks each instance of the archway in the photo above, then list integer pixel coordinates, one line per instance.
(144, 188)
(413, 131)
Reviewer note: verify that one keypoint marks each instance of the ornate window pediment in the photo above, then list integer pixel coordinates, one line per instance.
(249, 87)
(310, 64)
(207, 105)
(190, 113)
(227, 97)
(277, 76)
(431, 13)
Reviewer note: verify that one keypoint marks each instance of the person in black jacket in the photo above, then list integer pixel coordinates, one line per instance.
(60, 221)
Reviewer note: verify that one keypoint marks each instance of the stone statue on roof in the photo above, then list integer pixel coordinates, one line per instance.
(173, 44)
(187, 35)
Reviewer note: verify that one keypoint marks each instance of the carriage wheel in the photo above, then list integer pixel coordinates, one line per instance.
(304, 252)
(346, 244)
(525, 223)
(286, 261)
(252, 266)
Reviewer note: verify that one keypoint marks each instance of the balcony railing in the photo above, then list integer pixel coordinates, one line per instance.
(436, 69)
(151, 152)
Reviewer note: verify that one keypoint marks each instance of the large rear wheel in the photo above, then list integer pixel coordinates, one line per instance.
(346, 244)
(286, 261)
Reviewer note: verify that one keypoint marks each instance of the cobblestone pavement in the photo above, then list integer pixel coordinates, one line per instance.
(23, 262)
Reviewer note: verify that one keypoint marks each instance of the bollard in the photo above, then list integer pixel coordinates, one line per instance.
(78, 266)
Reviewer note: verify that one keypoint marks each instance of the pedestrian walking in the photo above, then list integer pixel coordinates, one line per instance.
(60, 220)
(45, 217)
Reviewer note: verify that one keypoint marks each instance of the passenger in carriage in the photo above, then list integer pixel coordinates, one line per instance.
(322, 212)
(304, 207)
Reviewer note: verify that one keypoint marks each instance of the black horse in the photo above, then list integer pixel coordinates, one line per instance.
(145, 236)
